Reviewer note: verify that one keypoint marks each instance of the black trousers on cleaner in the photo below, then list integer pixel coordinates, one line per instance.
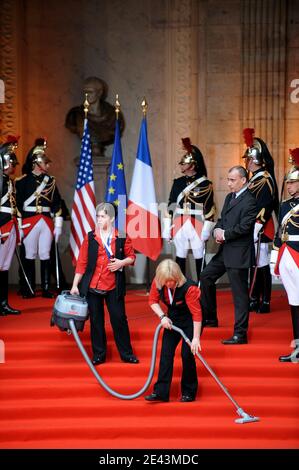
(170, 341)
(119, 323)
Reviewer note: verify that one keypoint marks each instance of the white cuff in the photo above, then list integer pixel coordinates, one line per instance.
(208, 226)
(166, 233)
(274, 256)
(58, 222)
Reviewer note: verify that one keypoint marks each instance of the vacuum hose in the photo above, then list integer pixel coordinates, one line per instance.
(245, 417)
(102, 382)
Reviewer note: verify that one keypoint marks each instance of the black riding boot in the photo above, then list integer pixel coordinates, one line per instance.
(266, 289)
(294, 356)
(182, 264)
(254, 300)
(29, 267)
(45, 278)
(5, 308)
(198, 264)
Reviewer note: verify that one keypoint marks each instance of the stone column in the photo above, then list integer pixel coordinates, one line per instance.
(181, 79)
(263, 74)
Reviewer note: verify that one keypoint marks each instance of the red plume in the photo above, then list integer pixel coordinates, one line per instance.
(295, 156)
(187, 144)
(248, 136)
(12, 139)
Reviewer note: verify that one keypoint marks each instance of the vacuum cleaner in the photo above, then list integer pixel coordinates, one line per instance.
(70, 313)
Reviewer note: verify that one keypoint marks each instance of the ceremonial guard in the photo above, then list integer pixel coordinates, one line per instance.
(191, 208)
(263, 187)
(38, 203)
(285, 253)
(8, 221)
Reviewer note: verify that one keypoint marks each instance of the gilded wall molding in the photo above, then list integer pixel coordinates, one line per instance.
(10, 110)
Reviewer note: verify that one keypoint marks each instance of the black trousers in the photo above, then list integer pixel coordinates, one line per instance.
(170, 342)
(239, 284)
(118, 320)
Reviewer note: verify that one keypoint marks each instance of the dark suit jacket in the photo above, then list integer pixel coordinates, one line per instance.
(237, 220)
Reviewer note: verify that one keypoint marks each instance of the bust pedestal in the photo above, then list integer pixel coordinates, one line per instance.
(100, 173)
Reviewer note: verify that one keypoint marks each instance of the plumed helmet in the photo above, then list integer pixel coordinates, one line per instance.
(8, 156)
(257, 150)
(193, 155)
(293, 173)
(37, 154)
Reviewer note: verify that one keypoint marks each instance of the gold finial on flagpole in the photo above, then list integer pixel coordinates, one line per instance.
(117, 106)
(144, 106)
(86, 105)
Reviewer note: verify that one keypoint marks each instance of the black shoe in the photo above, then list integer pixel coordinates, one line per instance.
(235, 340)
(253, 305)
(186, 398)
(131, 359)
(293, 357)
(264, 308)
(154, 397)
(210, 323)
(98, 360)
(6, 309)
(28, 295)
(47, 294)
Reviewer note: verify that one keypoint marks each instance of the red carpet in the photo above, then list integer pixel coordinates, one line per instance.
(50, 399)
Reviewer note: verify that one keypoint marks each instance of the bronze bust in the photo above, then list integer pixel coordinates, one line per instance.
(101, 117)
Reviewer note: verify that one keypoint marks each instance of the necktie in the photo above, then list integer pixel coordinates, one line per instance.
(232, 199)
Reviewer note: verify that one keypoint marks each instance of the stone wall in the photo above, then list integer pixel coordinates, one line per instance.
(207, 69)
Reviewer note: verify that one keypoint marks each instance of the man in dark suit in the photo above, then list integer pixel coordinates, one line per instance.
(234, 233)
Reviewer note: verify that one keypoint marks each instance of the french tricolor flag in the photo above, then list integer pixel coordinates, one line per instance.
(143, 225)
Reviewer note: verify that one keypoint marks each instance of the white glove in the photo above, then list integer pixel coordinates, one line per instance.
(58, 222)
(257, 228)
(206, 230)
(167, 227)
(273, 261)
(21, 232)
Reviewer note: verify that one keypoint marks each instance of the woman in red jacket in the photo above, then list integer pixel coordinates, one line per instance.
(100, 276)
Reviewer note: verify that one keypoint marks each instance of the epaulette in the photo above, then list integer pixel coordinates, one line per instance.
(20, 177)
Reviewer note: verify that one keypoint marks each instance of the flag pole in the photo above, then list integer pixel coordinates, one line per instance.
(86, 105)
(144, 107)
(117, 106)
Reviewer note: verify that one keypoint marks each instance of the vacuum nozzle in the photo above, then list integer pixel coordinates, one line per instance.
(245, 417)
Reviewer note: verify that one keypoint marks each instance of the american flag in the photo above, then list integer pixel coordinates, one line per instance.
(83, 210)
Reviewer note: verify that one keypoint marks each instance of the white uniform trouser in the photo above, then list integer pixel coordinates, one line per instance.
(289, 273)
(7, 250)
(38, 241)
(187, 237)
(263, 255)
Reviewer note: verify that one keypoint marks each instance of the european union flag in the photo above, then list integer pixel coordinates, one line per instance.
(116, 191)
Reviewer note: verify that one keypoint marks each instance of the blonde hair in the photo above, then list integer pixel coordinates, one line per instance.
(169, 270)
